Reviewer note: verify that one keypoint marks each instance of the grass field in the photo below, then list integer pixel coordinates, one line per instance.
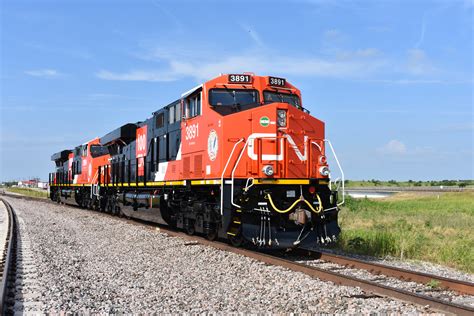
(28, 192)
(407, 184)
(431, 227)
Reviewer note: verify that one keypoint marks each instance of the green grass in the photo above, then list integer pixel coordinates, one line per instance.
(410, 183)
(29, 192)
(436, 228)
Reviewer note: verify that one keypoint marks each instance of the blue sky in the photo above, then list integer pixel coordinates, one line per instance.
(393, 80)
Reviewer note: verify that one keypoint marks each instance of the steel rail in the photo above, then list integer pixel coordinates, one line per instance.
(315, 272)
(7, 256)
(462, 287)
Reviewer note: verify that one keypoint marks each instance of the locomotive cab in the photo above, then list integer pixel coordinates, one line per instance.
(275, 177)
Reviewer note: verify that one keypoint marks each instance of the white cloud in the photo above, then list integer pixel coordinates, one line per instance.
(418, 63)
(203, 68)
(136, 75)
(332, 34)
(422, 32)
(361, 64)
(393, 147)
(44, 73)
(359, 53)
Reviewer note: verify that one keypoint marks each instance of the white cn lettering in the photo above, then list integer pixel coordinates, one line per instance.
(251, 147)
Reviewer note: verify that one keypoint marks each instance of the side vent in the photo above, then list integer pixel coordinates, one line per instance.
(198, 166)
(186, 167)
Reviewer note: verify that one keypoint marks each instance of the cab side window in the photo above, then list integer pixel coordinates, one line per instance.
(192, 105)
(160, 120)
(174, 113)
(171, 116)
(84, 151)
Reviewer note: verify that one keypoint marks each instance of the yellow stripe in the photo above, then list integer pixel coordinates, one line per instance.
(155, 183)
(175, 182)
(281, 181)
(229, 233)
(236, 222)
(205, 182)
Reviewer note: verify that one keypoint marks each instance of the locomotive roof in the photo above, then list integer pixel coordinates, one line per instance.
(61, 156)
(125, 133)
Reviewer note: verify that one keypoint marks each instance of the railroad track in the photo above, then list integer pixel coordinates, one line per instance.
(461, 287)
(340, 278)
(8, 256)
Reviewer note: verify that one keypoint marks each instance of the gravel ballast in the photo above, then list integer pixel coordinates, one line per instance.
(93, 263)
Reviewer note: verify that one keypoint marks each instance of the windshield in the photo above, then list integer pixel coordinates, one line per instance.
(271, 97)
(97, 150)
(227, 101)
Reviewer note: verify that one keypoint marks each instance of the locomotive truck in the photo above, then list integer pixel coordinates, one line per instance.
(237, 157)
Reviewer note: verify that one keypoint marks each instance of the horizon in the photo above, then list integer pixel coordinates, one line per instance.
(393, 83)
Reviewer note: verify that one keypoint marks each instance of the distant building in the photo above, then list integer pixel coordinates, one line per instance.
(33, 183)
(43, 185)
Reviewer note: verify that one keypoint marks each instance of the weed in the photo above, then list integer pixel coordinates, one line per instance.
(433, 284)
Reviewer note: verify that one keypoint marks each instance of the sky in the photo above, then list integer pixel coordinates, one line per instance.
(392, 80)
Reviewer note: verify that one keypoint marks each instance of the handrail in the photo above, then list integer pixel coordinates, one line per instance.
(233, 172)
(223, 172)
(340, 169)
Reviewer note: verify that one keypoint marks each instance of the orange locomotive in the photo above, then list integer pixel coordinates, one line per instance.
(237, 157)
(76, 172)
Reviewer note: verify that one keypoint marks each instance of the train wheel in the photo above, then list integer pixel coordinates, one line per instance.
(210, 231)
(212, 235)
(109, 208)
(189, 227)
(237, 240)
(103, 204)
(57, 196)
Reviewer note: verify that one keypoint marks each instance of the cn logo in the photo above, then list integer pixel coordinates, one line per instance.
(141, 142)
(251, 147)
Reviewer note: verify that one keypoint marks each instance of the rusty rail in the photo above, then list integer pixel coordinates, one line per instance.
(7, 256)
(462, 287)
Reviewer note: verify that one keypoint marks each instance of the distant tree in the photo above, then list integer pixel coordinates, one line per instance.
(393, 182)
(346, 181)
(462, 184)
(375, 182)
(418, 184)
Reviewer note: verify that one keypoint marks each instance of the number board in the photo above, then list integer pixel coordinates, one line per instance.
(274, 81)
(234, 78)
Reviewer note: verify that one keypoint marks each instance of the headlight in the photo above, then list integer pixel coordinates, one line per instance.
(322, 160)
(324, 171)
(268, 170)
(281, 118)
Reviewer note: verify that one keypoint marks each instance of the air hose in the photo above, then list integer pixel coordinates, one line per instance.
(301, 199)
